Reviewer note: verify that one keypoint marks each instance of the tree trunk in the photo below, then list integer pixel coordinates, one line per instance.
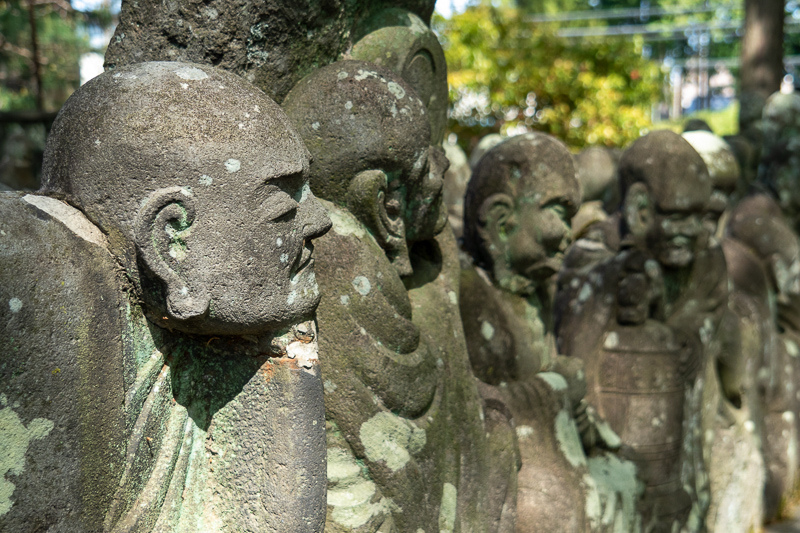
(762, 57)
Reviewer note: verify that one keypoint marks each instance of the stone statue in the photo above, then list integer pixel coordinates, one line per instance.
(273, 43)
(407, 430)
(517, 209)
(658, 300)
(597, 173)
(762, 254)
(725, 174)
(159, 293)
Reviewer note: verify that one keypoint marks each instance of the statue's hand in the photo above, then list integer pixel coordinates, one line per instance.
(594, 431)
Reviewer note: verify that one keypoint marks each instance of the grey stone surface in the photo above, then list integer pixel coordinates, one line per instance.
(272, 44)
(159, 381)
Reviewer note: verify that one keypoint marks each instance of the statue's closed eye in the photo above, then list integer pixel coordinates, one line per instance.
(277, 205)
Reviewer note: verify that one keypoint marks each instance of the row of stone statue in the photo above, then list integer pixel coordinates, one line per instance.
(679, 294)
(222, 314)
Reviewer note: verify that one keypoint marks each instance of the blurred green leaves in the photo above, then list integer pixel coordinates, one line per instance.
(507, 75)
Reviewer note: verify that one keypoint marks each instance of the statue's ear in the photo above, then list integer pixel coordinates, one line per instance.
(381, 212)
(638, 211)
(494, 217)
(160, 228)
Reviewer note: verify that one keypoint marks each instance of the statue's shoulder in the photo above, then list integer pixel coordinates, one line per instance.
(61, 329)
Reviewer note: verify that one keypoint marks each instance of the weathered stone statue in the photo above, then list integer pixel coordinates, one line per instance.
(644, 319)
(516, 221)
(407, 444)
(726, 177)
(157, 296)
(762, 253)
(731, 412)
(596, 169)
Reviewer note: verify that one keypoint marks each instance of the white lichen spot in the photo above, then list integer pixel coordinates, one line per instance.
(15, 439)
(305, 191)
(291, 298)
(241, 126)
(305, 353)
(329, 386)
(439, 363)
(284, 258)
(362, 285)
(233, 165)
(15, 304)
(315, 126)
(523, 432)
(184, 85)
(554, 380)
(362, 331)
(396, 90)
(364, 74)
(447, 510)
(342, 75)
(205, 180)
(586, 293)
(392, 439)
(191, 73)
(348, 105)
(611, 341)
(487, 330)
(257, 109)
(791, 348)
(97, 142)
(344, 299)
(453, 297)
(568, 439)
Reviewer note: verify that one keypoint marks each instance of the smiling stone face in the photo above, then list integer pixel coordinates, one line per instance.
(675, 187)
(208, 179)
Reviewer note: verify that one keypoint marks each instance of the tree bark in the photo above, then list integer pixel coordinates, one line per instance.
(762, 56)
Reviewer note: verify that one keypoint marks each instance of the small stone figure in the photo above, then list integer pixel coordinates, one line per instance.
(516, 221)
(726, 177)
(407, 430)
(185, 394)
(682, 282)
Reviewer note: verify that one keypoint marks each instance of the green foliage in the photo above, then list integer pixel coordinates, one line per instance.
(507, 75)
(723, 122)
(60, 47)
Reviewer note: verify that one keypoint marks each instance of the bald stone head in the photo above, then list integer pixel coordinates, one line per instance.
(517, 209)
(780, 156)
(665, 187)
(369, 137)
(723, 169)
(200, 183)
